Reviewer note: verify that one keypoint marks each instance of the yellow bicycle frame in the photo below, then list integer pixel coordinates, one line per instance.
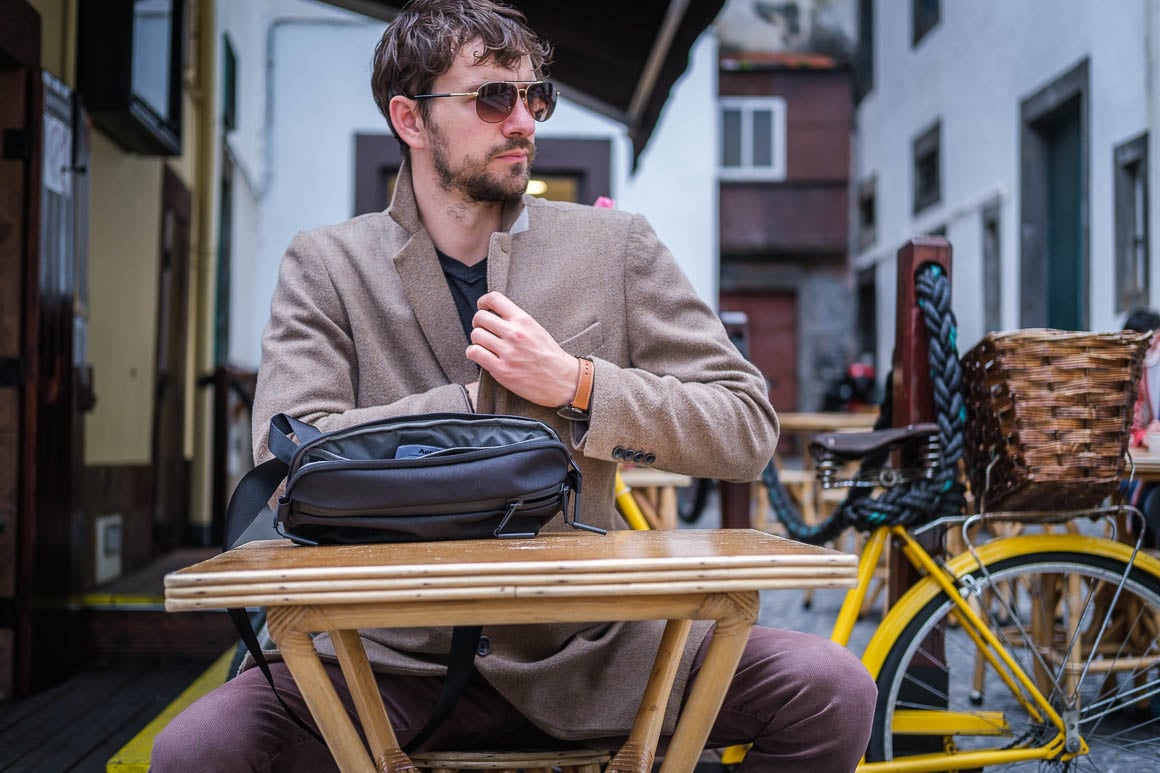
(940, 579)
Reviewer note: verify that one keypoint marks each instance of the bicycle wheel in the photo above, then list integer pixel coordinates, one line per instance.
(1049, 611)
(691, 499)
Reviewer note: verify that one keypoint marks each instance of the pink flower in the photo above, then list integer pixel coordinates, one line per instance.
(603, 202)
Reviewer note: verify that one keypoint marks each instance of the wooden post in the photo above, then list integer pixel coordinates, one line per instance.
(913, 402)
(912, 395)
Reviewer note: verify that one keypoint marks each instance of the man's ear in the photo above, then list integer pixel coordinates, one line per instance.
(408, 123)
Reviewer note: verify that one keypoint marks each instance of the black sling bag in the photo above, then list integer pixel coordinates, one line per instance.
(415, 478)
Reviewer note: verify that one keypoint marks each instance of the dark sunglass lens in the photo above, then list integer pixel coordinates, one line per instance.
(541, 100)
(495, 101)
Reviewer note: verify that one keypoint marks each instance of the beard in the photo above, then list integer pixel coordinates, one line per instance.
(472, 178)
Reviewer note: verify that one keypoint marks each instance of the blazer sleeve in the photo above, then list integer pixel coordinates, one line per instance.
(688, 397)
(309, 367)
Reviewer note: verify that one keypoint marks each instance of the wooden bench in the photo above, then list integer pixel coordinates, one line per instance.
(570, 761)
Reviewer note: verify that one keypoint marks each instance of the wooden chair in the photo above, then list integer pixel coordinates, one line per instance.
(567, 761)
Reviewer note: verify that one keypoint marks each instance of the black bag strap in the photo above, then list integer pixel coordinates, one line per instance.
(460, 664)
(241, 622)
(247, 503)
(259, 484)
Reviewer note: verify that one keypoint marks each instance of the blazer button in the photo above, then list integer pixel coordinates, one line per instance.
(628, 453)
(650, 458)
(638, 457)
(483, 649)
(618, 453)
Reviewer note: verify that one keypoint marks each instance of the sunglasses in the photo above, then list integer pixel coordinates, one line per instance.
(494, 102)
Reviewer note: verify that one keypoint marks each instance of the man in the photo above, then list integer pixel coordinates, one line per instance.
(467, 295)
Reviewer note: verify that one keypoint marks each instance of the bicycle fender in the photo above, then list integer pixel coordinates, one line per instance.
(997, 550)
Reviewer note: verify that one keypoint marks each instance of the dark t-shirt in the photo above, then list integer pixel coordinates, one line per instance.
(467, 283)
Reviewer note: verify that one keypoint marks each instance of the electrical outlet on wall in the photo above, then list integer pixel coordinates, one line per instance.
(107, 561)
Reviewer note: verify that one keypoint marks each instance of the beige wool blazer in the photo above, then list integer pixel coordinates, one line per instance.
(363, 326)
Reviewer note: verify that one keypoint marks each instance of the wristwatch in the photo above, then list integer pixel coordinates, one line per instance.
(577, 410)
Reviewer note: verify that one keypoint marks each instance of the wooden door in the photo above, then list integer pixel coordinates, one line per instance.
(170, 467)
(20, 167)
(1066, 280)
(59, 537)
(772, 339)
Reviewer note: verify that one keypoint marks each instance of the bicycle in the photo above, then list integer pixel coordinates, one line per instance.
(1026, 652)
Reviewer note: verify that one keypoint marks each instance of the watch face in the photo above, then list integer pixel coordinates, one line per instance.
(571, 413)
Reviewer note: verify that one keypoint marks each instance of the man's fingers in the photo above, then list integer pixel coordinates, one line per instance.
(498, 303)
(481, 336)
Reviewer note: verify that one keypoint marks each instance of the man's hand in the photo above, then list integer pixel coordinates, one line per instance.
(510, 345)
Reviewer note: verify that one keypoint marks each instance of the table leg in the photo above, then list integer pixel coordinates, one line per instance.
(637, 754)
(298, 651)
(735, 614)
(369, 703)
(667, 507)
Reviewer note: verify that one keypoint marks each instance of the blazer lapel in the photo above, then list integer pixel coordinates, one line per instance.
(430, 298)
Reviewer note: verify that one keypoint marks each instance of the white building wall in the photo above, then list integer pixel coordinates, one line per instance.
(318, 73)
(972, 71)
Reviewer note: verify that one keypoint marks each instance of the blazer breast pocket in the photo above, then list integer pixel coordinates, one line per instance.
(585, 343)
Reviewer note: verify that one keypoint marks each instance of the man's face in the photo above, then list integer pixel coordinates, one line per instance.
(482, 161)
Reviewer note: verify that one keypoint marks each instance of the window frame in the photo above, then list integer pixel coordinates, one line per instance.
(991, 220)
(776, 171)
(922, 22)
(1132, 236)
(867, 191)
(864, 53)
(928, 141)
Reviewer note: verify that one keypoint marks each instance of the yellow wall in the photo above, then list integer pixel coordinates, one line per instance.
(124, 242)
(57, 37)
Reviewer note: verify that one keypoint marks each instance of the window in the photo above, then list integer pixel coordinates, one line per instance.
(924, 15)
(229, 85)
(129, 67)
(1131, 159)
(867, 312)
(864, 56)
(992, 269)
(927, 169)
(867, 214)
(753, 138)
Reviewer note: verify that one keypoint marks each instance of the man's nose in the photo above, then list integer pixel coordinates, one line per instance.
(520, 122)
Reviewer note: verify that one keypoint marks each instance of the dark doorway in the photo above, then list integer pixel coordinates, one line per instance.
(1054, 200)
(170, 467)
(772, 316)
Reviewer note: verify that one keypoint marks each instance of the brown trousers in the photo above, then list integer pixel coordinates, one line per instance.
(805, 703)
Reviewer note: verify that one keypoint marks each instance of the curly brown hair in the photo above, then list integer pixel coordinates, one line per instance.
(424, 39)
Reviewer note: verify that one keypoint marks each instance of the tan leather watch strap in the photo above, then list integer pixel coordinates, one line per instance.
(583, 396)
(577, 410)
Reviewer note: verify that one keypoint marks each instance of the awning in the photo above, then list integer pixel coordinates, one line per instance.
(617, 57)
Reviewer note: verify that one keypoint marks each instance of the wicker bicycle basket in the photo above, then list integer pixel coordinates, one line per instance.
(1048, 415)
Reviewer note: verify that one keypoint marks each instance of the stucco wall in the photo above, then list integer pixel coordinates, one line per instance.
(972, 71)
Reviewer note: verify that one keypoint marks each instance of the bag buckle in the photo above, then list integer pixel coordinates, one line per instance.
(566, 494)
(513, 505)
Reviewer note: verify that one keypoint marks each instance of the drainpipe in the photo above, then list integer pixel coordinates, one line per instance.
(1151, 83)
(200, 411)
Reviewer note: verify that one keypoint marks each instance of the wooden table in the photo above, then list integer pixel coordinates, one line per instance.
(677, 576)
(1146, 465)
(656, 493)
(825, 422)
